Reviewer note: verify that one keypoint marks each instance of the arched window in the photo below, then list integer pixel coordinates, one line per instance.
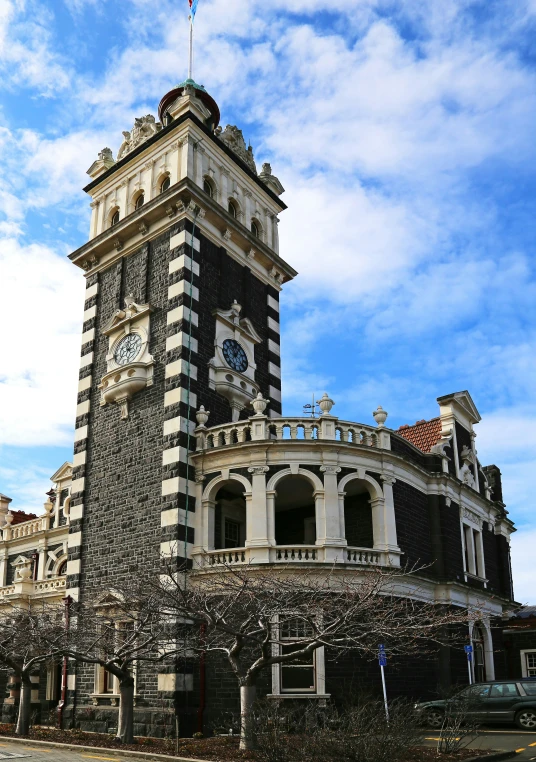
(230, 516)
(231, 208)
(255, 228)
(295, 522)
(208, 187)
(115, 218)
(139, 201)
(164, 185)
(358, 515)
(62, 569)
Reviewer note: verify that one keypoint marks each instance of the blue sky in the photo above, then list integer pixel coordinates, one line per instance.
(403, 132)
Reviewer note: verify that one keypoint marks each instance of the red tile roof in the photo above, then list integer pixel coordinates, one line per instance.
(20, 516)
(423, 434)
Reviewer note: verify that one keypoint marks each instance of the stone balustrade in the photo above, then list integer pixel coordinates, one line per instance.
(25, 529)
(260, 427)
(290, 554)
(31, 587)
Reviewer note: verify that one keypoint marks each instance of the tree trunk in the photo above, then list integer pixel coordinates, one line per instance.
(25, 707)
(125, 726)
(248, 695)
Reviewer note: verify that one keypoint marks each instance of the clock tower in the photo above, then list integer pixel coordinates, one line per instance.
(183, 276)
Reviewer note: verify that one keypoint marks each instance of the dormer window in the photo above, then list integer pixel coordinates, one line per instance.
(139, 201)
(208, 187)
(115, 218)
(231, 208)
(255, 228)
(166, 182)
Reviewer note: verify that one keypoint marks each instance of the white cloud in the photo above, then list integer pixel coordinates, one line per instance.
(26, 48)
(523, 544)
(43, 293)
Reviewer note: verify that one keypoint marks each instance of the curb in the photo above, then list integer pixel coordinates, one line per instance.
(104, 750)
(495, 756)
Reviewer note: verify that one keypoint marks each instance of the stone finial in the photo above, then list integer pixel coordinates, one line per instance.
(49, 507)
(237, 309)
(259, 404)
(325, 404)
(202, 416)
(380, 415)
(9, 518)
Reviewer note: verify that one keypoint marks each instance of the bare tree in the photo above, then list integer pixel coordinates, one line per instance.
(117, 629)
(246, 613)
(30, 634)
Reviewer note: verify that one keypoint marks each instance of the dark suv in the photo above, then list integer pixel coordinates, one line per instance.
(501, 701)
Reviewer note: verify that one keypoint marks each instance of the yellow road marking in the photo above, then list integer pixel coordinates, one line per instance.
(518, 750)
(92, 756)
(47, 751)
(532, 744)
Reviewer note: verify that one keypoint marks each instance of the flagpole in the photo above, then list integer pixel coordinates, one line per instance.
(191, 55)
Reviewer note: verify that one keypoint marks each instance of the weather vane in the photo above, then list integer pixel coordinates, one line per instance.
(311, 409)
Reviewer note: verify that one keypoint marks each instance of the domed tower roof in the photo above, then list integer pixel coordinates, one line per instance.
(195, 91)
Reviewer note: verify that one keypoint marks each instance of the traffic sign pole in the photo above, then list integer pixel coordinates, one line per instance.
(469, 653)
(382, 659)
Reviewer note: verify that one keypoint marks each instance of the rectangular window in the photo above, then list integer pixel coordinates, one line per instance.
(530, 658)
(473, 551)
(232, 534)
(297, 676)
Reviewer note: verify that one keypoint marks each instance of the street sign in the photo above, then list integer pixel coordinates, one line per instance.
(469, 653)
(382, 660)
(468, 649)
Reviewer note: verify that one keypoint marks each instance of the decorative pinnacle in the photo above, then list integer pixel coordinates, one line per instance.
(380, 416)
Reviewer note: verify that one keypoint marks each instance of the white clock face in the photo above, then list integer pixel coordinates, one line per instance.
(128, 349)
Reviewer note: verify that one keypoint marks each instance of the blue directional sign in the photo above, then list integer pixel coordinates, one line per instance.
(382, 656)
(469, 651)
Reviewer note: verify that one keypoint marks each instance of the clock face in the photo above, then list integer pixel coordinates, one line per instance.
(235, 356)
(128, 349)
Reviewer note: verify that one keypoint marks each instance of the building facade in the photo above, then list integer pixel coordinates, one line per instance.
(181, 448)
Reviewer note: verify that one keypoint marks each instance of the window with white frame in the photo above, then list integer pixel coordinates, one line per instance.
(105, 682)
(297, 676)
(528, 663)
(473, 550)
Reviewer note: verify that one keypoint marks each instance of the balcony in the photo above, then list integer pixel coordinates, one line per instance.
(294, 491)
(290, 554)
(28, 588)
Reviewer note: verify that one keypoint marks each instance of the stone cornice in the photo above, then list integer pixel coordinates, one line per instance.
(159, 214)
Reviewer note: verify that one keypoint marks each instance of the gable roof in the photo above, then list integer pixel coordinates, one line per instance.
(423, 434)
(464, 401)
(19, 517)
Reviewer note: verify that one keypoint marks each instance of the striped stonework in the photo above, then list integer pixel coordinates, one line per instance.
(274, 355)
(85, 380)
(81, 436)
(180, 396)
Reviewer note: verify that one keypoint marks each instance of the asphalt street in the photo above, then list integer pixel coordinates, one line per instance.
(522, 742)
(504, 738)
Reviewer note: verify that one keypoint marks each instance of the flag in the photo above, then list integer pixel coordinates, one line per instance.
(193, 7)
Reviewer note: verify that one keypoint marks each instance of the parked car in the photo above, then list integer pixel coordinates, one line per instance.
(500, 701)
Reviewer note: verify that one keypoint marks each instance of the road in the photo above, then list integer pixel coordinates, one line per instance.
(499, 738)
(522, 742)
(42, 754)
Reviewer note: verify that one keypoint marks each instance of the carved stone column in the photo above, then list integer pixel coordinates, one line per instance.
(270, 512)
(187, 162)
(3, 566)
(199, 170)
(224, 178)
(43, 553)
(384, 523)
(257, 515)
(209, 514)
(333, 535)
